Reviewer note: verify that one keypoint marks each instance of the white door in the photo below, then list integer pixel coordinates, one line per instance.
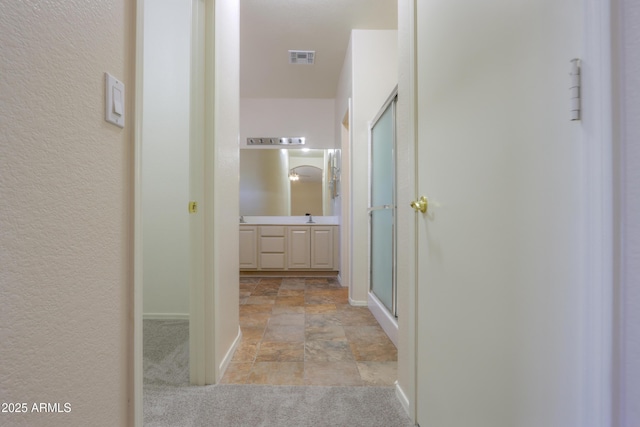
(499, 300)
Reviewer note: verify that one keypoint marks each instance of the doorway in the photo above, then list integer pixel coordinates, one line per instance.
(213, 321)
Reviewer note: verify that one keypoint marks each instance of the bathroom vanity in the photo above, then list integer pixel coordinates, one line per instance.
(296, 246)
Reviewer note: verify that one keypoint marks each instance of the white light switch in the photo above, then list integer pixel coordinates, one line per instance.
(117, 101)
(114, 94)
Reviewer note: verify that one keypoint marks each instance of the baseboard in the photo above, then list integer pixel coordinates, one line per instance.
(227, 357)
(402, 397)
(165, 316)
(357, 303)
(386, 320)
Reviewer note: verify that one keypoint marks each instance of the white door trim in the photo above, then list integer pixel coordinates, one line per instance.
(137, 379)
(598, 229)
(407, 219)
(345, 198)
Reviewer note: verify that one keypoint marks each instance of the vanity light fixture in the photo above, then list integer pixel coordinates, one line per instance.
(294, 176)
(296, 140)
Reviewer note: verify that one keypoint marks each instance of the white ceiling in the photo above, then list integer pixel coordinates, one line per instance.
(270, 28)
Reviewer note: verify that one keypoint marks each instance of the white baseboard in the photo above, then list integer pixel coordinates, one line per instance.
(165, 316)
(357, 303)
(385, 319)
(404, 400)
(227, 357)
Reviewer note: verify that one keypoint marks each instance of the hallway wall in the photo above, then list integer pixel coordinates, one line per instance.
(66, 187)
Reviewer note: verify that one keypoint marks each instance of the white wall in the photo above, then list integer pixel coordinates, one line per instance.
(310, 118)
(627, 410)
(165, 152)
(295, 161)
(374, 76)
(65, 217)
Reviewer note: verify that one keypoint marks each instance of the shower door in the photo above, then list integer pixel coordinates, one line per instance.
(382, 206)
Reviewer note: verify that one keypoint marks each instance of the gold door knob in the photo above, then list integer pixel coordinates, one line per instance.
(421, 204)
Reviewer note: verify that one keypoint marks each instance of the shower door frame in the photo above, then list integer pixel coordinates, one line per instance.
(391, 102)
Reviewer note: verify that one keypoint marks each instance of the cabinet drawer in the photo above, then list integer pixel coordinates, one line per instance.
(272, 261)
(272, 230)
(271, 244)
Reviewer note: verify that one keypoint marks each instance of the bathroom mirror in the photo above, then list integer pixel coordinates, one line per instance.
(284, 182)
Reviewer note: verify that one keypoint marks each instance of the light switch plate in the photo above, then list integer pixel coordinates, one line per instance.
(114, 97)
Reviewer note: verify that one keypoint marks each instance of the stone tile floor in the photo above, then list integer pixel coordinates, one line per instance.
(302, 331)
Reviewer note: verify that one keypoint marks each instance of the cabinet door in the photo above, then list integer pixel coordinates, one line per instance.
(321, 247)
(248, 247)
(299, 242)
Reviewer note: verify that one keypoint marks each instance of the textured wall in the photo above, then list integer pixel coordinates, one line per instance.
(629, 297)
(65, 191)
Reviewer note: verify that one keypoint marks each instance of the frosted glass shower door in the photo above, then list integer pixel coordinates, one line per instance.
(382, 207)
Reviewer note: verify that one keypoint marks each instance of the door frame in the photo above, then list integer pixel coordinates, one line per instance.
(598, 274)
(137, 344)
(598, 225)
(346, 136)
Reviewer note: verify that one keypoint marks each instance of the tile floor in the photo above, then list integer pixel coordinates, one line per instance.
(298, 331)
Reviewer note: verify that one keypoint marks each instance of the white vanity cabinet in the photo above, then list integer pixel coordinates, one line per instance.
(288, 247)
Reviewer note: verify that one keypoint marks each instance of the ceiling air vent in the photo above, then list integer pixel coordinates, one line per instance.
(301, 56)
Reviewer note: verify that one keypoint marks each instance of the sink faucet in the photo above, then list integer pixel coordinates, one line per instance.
(310, 219)
(242, 221)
